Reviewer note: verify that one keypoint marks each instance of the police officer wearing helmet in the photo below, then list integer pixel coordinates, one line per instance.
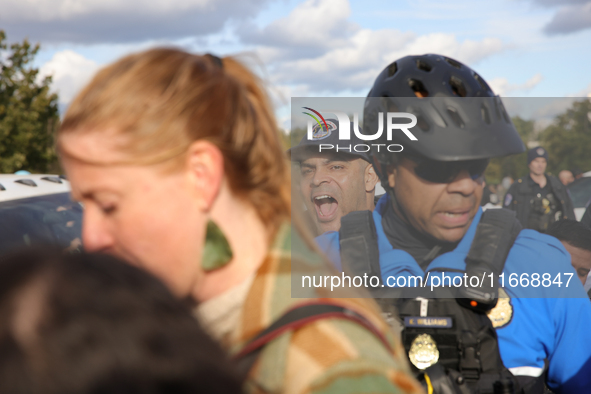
(336, 177)
(430, 223)
(539, 199)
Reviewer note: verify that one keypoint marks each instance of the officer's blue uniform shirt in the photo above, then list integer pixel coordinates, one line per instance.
(555, 325)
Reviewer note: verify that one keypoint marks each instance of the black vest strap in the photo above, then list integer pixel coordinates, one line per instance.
(358, 241)
(359, 244)
(495, 235)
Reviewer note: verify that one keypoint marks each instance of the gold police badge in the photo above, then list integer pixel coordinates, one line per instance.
(502, 313)
(423, 351)
(546, 205)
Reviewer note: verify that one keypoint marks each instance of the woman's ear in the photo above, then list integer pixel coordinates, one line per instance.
(205, 168)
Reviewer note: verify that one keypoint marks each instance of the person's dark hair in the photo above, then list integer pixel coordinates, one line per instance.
(88, 323)
(572, 232)
(576, 172)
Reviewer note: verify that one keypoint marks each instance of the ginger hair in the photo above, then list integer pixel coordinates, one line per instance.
(162, 100)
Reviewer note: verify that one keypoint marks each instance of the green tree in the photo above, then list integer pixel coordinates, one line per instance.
(28, 111)
(514, 166)
(296, 136)
(568, 139)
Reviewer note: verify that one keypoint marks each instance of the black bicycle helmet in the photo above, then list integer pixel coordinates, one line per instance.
(458, 115)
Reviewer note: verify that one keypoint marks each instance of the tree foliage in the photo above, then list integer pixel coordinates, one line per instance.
(28, 111)
(568, 139)
(514, 166)
(296, 136)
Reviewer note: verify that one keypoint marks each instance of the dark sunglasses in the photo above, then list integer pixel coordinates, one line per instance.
(446, 171)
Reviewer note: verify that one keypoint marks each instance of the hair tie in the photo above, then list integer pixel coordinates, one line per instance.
(216, 60)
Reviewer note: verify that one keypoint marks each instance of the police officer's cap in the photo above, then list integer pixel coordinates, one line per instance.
(328, 138)
(534, 153)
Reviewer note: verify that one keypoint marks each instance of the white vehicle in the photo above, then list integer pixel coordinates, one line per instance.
(37, 209)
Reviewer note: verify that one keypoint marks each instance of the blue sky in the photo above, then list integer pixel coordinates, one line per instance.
(523, 48)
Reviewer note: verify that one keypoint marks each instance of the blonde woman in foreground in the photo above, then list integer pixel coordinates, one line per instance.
(178, 162)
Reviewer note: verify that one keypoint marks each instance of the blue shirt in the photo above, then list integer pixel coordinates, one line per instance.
(548, 322)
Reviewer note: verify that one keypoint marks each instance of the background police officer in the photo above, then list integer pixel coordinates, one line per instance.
(539, 199)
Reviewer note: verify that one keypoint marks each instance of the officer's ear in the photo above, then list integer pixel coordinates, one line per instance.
(391, 171)
(371, 178)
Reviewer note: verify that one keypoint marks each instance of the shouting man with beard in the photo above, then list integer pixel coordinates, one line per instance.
(335, 181)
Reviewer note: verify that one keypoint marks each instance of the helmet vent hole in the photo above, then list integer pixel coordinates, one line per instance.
(505, 115)
(389, 104)
(371, 117)
(422, 123)
(423, 65)
(457, 86)
(454, 63)
(481, 82)
(392, 68)
(455, 117)
(418, 87)
(485, 115)
(497, 111)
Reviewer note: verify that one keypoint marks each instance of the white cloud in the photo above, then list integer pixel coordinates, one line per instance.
(312, 24)
(116, 21)
(499, 85)
(467, 51)
(502, 87)
(70, 72)
(586, 92)
(354, 65)
(42, 10)
(318, 48)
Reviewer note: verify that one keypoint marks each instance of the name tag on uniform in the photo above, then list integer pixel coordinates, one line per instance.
(431, 322)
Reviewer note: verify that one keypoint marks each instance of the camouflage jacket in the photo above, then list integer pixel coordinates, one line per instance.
(325, 356)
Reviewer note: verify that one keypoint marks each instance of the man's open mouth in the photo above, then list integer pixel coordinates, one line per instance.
(326, 207)
(455, 217)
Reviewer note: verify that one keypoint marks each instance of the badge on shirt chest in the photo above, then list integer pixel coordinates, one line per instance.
(546, 205)
(423, 351)
(501, 314)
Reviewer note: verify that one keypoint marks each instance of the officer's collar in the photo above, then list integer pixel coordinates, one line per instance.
(450, 260)
(531, 181)
(382, 204)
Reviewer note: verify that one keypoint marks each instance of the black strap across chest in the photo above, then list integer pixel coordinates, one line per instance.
(295, 318)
